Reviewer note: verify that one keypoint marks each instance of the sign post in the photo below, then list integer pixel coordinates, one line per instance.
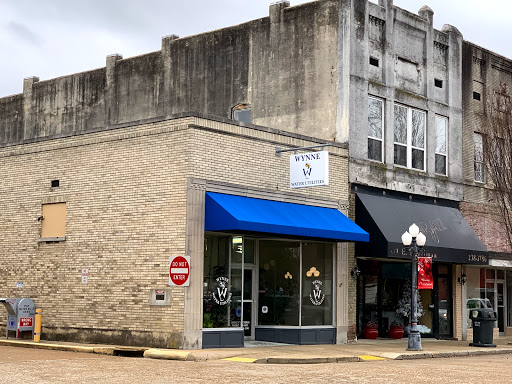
(179, 271)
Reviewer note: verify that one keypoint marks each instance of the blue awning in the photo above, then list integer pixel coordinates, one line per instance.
(237, 213)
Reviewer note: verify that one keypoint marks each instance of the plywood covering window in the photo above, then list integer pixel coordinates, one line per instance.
(54, 220)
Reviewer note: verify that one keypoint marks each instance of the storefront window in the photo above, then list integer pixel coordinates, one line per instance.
(281, 270)
(396, 282)
(279, 292)
(317, 284)
(486, 289)
(384, 296)
(222, 285)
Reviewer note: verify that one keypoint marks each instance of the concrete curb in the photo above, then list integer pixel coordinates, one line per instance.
(190, 355)
(216, 354)
(434, 355)
(102, 350)
(48, 346)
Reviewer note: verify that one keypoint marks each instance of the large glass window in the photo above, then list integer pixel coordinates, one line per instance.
(409, 137)
(441, 129)
(222, 285)
(486, 288)
(293, 283)
(317, 284)
(279, 286)
(375, 125)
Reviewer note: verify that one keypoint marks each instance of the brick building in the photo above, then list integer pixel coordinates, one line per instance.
(113, 158)
(483, 73)
(133, 195)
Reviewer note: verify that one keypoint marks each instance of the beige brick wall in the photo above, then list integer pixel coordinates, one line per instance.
(125, 192)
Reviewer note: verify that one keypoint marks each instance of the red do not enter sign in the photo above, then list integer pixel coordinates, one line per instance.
(179, 271)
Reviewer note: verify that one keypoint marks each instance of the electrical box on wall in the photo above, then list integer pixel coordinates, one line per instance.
(160, 296)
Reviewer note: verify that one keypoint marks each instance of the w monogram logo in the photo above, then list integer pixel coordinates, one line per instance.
(307, 170)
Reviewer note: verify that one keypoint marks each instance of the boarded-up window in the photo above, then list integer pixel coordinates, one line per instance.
(54, 220)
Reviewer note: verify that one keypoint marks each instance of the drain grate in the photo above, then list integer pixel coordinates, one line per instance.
(129, 352)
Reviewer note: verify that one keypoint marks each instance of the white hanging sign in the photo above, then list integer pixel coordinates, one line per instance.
(309, 169)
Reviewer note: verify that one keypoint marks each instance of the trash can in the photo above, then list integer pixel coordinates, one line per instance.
(483, 324)
(20, 316)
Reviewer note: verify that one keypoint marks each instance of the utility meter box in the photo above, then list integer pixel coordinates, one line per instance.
(20, 316)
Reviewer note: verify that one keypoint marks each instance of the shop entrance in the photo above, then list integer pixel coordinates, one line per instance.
(384, 296)
(442, 301)
(277, 290)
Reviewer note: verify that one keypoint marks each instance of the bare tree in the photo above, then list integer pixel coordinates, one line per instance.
(496, 129)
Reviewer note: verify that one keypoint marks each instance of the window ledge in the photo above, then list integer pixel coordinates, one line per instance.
(51, 239)
(404, 168)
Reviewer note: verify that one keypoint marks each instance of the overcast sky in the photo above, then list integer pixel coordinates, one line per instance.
(52, 38)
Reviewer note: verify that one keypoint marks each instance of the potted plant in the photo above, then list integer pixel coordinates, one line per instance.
(370, 330)
(396, 331)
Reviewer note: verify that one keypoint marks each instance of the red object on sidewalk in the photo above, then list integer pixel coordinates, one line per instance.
(396, 332)
(370, 333)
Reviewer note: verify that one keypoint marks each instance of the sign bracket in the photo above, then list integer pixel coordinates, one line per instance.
(321, 146)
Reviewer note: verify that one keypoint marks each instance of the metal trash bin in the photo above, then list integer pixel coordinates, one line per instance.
(20, 316)
(483, 324)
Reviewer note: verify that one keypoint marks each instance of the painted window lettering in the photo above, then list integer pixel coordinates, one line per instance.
(221, 295)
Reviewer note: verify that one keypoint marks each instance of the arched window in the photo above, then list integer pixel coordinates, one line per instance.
(242, 112)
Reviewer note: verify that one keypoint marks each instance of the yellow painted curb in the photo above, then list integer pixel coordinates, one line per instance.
(370, 358)
(241, 359)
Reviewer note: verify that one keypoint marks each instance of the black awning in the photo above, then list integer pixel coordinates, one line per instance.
(449, 237)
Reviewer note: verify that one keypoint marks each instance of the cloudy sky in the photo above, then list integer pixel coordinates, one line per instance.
(52, 38)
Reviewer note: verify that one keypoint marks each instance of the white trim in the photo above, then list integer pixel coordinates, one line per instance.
(445, 143)
(381, 139)
(408, 144)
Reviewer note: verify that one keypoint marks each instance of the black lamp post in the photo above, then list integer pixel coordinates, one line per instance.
(414, 240)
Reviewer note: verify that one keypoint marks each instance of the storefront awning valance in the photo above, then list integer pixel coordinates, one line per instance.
(237, 213)
(449, 236)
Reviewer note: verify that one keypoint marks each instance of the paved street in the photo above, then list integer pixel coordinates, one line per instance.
(22, 365)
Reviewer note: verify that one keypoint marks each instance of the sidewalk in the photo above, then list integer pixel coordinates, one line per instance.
(361, 350)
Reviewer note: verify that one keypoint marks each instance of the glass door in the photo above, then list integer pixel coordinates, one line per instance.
(442, 301)
(249, 302)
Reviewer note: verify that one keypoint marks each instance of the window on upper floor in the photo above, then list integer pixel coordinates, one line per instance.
(441, 150)
(409, 137)
(242, 112)
(375, 127)
(478, 159)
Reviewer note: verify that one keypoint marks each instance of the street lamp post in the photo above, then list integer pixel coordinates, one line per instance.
(414, 240)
